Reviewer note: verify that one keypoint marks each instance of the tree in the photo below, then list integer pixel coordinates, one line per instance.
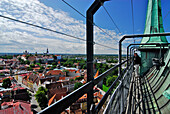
(34, 62)
(1, 68)
(27, 56)
(71, 80)
(66, 71)
(29, 68)
(110, 80)
(32, 65)
(54, 57)
(41, 69)
(77, 85)
(54, 63)
(79, 78)
(2, 74)
(27, 62)
(42, 89)
(41, 97)
(84, 66)
(40, 61)
(19, 59)
(54, 66)
(6, 83)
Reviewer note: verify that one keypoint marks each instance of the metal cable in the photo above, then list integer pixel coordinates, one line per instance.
(112, 19)
(52, 30)
(88, 19)
(132, 18)
(166, 15)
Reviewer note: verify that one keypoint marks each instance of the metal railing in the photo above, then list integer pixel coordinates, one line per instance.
(118, 99)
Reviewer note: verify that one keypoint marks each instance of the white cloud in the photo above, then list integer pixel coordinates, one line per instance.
(17, 37)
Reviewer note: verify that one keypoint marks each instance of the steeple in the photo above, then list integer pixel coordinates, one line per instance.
(154, 23)
(47, 51)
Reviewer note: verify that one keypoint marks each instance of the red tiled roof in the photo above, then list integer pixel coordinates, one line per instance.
(62, 78)
(32, 58)
(97, 94)
(78, 71)
(36, 68)
(54, 72)
(83, 97)
(70, 70)
(17, 108)
(60, 92)
(24, 55)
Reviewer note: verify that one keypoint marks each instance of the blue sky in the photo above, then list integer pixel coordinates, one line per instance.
(120, 10)
(56, 15)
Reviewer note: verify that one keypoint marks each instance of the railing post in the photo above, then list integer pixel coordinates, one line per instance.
(120, 56)
(122, 97)
(131, 54)
(89, 29)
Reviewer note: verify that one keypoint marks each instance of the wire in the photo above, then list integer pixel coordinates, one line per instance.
(52, 30)
(112, 19)
(74, 8)
(105, 46)
(166, 15)
(42, 27)
(132, 18)
(88, 19)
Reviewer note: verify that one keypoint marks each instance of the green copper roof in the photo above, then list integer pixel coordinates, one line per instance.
(154, 23)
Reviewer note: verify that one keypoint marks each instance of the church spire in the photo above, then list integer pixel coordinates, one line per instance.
(47, 51)
(154, 23)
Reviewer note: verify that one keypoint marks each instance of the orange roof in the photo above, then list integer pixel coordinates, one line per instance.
(78, 71)
(62, 78)
(28, 76)
(84, 82)
(55, 72)
(84, 96)
(97, 74)
(20, 107)
(40, 74)
(51, 100)
(70, 70)
(37, 68)
(95, 94)
(24, 55)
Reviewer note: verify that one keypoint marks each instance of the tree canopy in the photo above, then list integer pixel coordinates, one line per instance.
(6, 83)
(77, 85)
(41, 97)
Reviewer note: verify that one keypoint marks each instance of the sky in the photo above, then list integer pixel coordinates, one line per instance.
(57, 15)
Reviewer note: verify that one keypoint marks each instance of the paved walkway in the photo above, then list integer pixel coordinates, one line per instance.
(34, 103)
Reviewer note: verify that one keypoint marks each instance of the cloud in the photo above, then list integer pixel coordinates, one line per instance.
(17, 37)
